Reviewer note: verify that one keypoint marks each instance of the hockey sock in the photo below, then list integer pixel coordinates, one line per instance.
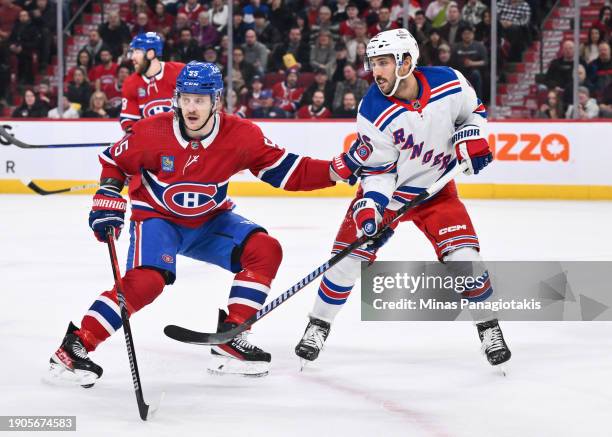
(335, 289)
(260, 260)
(141, 287)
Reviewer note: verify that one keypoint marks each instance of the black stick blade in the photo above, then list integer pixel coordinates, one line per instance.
(32, 186)
(194, 337)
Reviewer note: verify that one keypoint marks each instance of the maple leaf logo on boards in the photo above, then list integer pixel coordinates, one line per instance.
(554, 147)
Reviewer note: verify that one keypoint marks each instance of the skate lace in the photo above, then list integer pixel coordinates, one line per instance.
(242, 341)
(492, 340)
(314, 336)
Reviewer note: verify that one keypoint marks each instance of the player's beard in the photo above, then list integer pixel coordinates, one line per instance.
(382, 86)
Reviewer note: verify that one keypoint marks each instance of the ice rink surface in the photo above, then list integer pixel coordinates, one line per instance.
(373, 379)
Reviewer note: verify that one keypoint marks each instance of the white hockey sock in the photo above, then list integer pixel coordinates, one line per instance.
(335, 288)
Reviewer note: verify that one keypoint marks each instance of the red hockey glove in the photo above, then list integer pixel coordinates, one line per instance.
(347, 166)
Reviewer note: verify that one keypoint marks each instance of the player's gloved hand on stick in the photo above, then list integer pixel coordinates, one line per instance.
(347, 166)
(470, 145)
(367, 215)
(108, 210)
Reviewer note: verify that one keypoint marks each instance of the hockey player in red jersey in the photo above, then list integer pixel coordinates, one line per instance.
(149, 90)
(180, 164)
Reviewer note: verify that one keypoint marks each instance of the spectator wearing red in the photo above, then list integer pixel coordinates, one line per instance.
(604, 23)
(161, 21)
(9, 13)
(384, 22)
(113, 91)
(397, 10)
(316, 109)
(115, 33)
(346, 28)
(192, 9)
(287, 94)
(103, 74)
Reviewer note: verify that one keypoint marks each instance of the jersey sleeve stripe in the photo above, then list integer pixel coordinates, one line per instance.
(124, 116)
(276, 164)
(372, 171)
(280, 174)
(106, 157)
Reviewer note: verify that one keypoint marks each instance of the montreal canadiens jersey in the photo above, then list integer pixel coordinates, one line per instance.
(411, 141)
(144, 97)
(185, 181)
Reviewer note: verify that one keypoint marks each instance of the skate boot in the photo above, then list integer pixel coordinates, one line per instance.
(493, 344)
(237, 356)
(71, 364)
(313, 339)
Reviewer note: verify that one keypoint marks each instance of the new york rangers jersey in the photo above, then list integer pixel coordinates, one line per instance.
(185, 181)
(144, 97)
(411, 141)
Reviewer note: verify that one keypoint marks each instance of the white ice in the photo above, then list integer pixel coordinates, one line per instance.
(373, 379)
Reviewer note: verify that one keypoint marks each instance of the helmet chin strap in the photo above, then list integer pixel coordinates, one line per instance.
(213, 110)
(398, 78)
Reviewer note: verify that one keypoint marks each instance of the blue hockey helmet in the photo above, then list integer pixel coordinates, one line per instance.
(148, 41)
(200, 78)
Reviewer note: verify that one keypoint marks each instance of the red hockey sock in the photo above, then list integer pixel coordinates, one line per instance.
(260, 260)
(140, 286)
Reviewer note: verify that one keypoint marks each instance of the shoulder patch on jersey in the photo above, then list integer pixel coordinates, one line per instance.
(437, 76)
(373, 104)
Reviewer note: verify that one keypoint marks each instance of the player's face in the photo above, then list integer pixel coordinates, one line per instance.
(195, 109)
(383, 69)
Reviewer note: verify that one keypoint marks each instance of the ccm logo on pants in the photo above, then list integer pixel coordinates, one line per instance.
(452, 229)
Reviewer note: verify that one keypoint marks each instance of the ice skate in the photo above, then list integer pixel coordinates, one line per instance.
(493, 343)
(312, 341)
(238, 356)
(71, 364)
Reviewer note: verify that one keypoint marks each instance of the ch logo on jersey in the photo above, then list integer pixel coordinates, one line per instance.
(155, 107)
(190, 200)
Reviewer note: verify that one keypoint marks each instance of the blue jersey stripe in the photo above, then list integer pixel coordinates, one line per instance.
(276, 175)
(445, 93)
(391, 118)
(108, 313)
(248, 293)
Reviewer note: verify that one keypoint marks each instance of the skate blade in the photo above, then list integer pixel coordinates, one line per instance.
(303, 364)
(221, 366)
(58, 374)
(503, 369)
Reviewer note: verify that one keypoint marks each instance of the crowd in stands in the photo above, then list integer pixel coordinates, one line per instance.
(594, 75)
(291, 58)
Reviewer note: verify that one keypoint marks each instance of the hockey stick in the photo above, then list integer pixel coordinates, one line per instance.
(14, 141)
(38, 189)
(194, 337)
(143, 408)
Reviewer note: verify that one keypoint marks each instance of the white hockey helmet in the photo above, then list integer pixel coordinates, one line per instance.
(396, 42)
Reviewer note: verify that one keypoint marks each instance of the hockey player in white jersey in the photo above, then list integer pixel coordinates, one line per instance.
(414, 124)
